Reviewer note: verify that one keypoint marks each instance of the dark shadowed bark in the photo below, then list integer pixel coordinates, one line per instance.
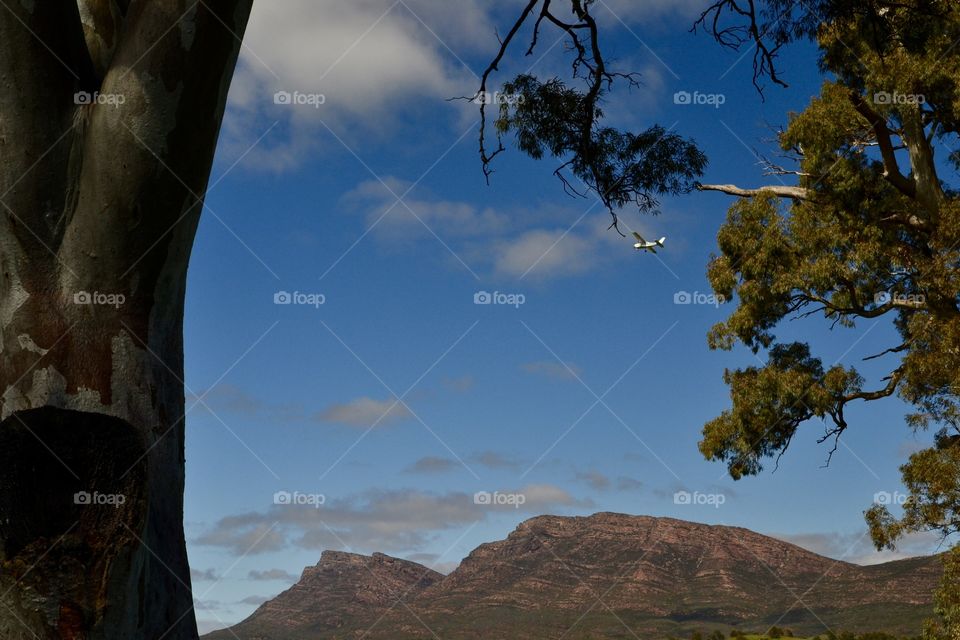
(109, 116)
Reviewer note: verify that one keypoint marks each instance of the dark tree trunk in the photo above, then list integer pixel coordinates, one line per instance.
(98, 208)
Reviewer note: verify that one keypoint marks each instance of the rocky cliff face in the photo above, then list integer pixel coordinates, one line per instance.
(598, 577)
(339, 590)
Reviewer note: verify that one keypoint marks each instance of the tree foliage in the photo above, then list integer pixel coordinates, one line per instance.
(550, 117)
(872, 231)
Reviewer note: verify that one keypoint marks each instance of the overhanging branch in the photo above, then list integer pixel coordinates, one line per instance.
(782, 191)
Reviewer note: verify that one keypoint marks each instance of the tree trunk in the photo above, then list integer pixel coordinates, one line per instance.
(100, 196)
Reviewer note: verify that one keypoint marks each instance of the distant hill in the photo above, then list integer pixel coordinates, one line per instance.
(604, 576)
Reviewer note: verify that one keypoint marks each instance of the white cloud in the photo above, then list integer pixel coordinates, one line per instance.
(488, 459)
(388, 521)
(858, 548)
(432, 464)
(365, 412)
(209, 605)
(542, 498)
(273, 574)
(594, 479)
(626, 483)
(539, 254)
(377, 62)
(205, 575)
(396, 221)
(510, 244)
(253, 537)
(543, 251)
(372, 60)
(495, 460)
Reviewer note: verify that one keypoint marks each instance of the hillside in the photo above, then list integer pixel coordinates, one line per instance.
(603, 576)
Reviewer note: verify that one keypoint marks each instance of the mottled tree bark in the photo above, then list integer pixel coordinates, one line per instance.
(100, 195)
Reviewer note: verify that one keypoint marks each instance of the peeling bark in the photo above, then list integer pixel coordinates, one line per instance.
(99, 204)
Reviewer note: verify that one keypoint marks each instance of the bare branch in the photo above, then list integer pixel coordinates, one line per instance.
(733, 37)
(485, 157)
(894, 380)
(782, 191)
(897, 349)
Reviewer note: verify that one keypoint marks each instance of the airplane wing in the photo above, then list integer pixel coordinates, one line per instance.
(638, 237)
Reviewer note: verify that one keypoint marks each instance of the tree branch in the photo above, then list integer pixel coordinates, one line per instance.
(733, 37)
(146, 161)
(884, 136)
(43, 63)
(487, 157)
(782, 191)
(102, 27)
(887, 391)
(895, 302)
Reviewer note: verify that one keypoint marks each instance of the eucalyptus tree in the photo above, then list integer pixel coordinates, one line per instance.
(869, 229)
(109, 117)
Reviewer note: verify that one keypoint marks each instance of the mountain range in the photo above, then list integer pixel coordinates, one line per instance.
(604, 576)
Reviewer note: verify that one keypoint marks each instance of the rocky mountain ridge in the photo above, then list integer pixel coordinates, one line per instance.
(602, 576)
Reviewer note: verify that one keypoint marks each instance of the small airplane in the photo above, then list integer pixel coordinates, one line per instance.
(643, 245)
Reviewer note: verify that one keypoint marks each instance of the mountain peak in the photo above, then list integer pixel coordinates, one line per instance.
(660, 575)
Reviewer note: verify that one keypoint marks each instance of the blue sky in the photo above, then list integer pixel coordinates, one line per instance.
(399, 398)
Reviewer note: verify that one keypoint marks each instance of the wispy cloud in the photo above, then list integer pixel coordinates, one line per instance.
(205, 575)
(496, 460)
(489, 459)
(538, 243)
(377, 202)
(625, 483)
(373, 62)
(594, 479)
(364, 412)
(856, 547)
(552, 369)
(389, 521)
(432, 464)
(273, 574)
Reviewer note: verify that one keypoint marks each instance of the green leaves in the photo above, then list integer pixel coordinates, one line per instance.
(624, 168)
(770, 402)
(757, 263)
